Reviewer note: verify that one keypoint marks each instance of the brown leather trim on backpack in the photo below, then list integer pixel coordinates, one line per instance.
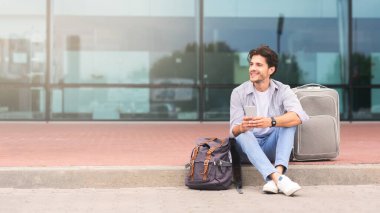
(205, 170)
(208, 158)
(193, 157)
(205, 164)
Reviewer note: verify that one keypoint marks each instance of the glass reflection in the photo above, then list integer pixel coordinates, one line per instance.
(217, 103)
(366, 59)
(22, 103)
(125, 104)
(120, 45)
(308, 35)
(176, 68)
(22, 41)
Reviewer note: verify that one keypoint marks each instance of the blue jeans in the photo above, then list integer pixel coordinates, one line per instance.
(261, 151)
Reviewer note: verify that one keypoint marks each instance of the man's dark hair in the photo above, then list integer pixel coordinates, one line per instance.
(266, 52)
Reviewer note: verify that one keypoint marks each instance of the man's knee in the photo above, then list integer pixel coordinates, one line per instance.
(288, 130)
(246, 141)
(245, 136)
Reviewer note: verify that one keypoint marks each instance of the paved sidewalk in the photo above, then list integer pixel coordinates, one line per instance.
(144, 144)
(153, 154)
(179, 199)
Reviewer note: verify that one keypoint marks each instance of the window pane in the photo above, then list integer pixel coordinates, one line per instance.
(366, 33)
(217, 104)
(311, 41)
(366, 104)
(22, 41)
(125, 104)
(22, 103)
(366, 59)
(131, 42)
(343, 103)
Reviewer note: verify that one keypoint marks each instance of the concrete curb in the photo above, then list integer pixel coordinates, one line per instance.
(173, 176)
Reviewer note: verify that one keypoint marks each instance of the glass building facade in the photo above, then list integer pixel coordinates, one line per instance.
(169, 60)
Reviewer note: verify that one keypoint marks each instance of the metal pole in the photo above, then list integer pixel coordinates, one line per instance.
(201, 50)
(350, 90)
(49, 21)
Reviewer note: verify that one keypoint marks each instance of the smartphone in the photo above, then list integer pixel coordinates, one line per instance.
(250, 111)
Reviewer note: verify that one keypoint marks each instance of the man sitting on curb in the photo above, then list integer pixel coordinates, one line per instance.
(269, 136)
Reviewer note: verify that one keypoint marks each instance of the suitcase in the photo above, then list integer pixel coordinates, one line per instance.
(319, 137)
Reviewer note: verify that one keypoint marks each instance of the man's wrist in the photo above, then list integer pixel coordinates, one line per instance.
(273, 122)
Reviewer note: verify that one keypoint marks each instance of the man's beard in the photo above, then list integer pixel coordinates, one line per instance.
(257, 81)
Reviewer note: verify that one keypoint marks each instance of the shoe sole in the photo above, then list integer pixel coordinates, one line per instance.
(270, 191)
(290, 193)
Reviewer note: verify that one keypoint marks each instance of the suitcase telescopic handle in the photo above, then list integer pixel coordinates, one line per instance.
(311, 85)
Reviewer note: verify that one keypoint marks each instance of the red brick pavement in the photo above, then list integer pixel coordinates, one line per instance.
(143, 144)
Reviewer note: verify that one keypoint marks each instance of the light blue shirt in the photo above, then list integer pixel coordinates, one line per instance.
(283, 100)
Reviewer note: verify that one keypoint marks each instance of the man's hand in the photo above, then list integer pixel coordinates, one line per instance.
(250, 123)
(255, 122)
(287, 120)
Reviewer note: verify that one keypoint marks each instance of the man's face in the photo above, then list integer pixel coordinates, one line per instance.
(259, 70)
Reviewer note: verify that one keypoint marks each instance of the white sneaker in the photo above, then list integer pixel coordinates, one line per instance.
(270, 187)
(287, 186)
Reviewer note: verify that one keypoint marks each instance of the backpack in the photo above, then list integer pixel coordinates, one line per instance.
(211, 165)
